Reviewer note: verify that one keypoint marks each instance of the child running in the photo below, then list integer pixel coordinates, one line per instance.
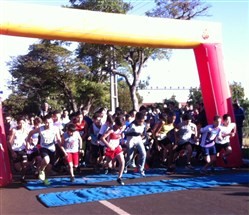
(112, 140)
(209, 135)
(228, 129)
(71, 142)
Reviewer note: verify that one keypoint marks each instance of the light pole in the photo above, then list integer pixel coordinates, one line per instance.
(113, 83)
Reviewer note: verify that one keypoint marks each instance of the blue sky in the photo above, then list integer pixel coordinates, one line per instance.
(233, 15)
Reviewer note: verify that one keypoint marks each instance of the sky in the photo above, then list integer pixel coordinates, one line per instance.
(180, 70)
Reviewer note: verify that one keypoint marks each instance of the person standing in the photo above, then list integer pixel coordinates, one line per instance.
(239, 114)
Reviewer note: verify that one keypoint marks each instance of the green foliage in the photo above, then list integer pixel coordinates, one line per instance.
(237, 91)
(179, 9)
(195, 96)
(238, 94)
(50, 72)
(110, 6)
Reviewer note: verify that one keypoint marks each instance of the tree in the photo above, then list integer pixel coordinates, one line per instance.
(124, 98)
(51, 72)
(179, 9)
(195, 96)
(237, 91)
(130, 61)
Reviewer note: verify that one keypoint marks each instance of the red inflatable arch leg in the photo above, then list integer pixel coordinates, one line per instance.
(5, 172)
(215, 92)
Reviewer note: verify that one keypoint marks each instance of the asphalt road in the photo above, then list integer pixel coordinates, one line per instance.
(222, 200)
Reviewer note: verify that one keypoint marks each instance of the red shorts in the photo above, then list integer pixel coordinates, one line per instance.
(113, 153)
(73, 158)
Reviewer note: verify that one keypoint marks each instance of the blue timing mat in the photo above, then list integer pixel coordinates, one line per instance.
(100, 193)
(91, 179)
(88, 179)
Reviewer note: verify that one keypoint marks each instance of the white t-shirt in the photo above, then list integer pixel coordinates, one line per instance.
(71, 144)
(223, 131)
(19, 143)
(48, 138)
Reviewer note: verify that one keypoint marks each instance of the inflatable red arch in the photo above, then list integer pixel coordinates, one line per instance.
(50, 22)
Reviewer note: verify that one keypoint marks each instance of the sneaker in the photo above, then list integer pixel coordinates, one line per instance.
(46, 182)
(204, 172)
(42, 175)
(125, 170)
(119, 180)
(106, 171)
(142, 173)
(72, 178)
(189, 166)
(170, 171)
(133, 165)
(23, 180)
(224, 160)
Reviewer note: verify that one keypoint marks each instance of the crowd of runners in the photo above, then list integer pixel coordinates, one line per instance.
(58, 141)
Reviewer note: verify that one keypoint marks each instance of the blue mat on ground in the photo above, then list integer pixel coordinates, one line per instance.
(88, 179)
(91, 179)
(145, 188)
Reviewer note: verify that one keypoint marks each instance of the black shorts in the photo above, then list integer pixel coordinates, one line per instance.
(164, 142)
(219, 147)
(33, 155)
(20, 156)
(95, 150)
(46, 152)
(182, 146)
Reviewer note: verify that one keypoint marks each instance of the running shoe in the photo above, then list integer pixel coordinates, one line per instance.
(120, 181)
(42, 175)
(72, 179)
(46, 182)
(189, 166)
(170, 171)
(142, 173)
(125, 170)
(204, 172)
(224, 160)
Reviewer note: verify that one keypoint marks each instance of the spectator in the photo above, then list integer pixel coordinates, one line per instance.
(239, 114)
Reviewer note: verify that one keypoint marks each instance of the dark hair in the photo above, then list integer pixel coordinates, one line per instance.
(56, 112)
(216, 117)
(37, 120)
(109, 119)
(71, 127)
(119, 121)
(140, 115)
(48, 116)
(142, 108)
(20, 118)
(225, 116)
(186, 116)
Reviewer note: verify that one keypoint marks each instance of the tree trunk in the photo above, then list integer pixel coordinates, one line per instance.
(134, 98)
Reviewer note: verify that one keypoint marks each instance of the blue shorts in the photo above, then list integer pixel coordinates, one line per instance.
(209, 150)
